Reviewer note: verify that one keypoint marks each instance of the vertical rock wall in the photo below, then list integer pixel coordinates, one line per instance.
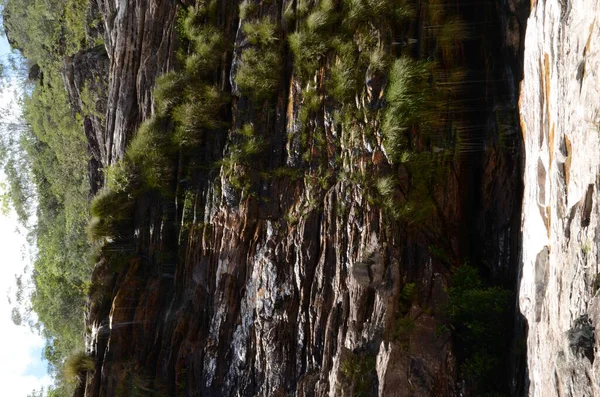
(560, 120)
(298, 290)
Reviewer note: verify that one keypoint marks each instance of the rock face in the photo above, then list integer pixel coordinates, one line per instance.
(303, 289)
(140, 43)
(560, 124)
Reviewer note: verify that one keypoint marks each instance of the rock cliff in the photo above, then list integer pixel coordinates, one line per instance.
(560, 125)
(306, 287)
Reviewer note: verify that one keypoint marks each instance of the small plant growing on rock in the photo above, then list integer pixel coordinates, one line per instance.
(112, 213)
(76, 366)
(480, 318)
(259, 72)
(237, 163)
(359, 374)
(403, 328)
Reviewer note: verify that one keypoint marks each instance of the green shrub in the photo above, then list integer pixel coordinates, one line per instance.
(240, 156)
(137, 384)
(387, 187)
(209, 46)
(261, 32)
(408, 294)
(248, 9)
(359, 374)
(403, 328)
(149, 152)
(76, 365)
(258, 75)
(196, 17)
(308, 49)
(199, 113)
(169, 91)
(450, 36)
(360, 12)
(322, 17)
(343, 82)
(378, 60)
(311, 102)
(121, 176)
(112, 214)
(110, 204)
(480, 316)
(408, 102)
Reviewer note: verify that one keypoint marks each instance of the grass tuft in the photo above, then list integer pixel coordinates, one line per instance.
(76, 365)
(258, 75)
(149, 152)
(168, 91)
(261, 32)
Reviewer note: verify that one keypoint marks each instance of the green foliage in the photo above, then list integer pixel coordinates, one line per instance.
(149, 153)
(169, 92)
(409, 103)
(343, 82)
(481, 319)
(19, 192)
(46, 29)
(47, 157)
(121, 176)
(308, 49)
(261, 32)
(311, 102)
(408, 295)
(387, 188)
(402, 330)
(208, 48)
(259, 72)
(76, 365)
(359, 374)
(450, 36)
(378, 60)
(365, 11)
(322, 17)
(236, 165)
(248, 9)
(89, 101)
(111, 215)
(199, 113)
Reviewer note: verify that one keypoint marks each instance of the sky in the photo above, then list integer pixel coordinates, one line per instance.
(21, 368)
